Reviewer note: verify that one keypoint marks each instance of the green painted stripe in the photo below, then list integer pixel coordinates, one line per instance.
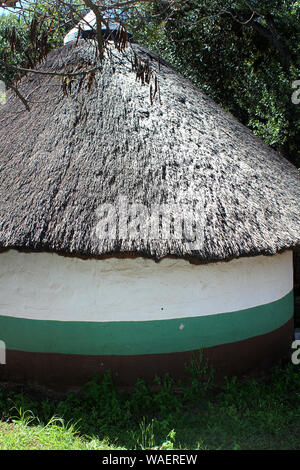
(145, 337)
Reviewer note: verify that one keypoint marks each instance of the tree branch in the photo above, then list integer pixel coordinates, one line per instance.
(19, 95)
(99, 18)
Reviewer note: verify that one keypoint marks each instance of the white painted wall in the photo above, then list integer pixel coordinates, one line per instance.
(51, 287)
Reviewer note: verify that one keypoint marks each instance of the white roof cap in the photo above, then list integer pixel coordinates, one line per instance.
(87, 23)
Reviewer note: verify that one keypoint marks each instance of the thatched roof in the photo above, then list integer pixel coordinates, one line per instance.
(71, 168)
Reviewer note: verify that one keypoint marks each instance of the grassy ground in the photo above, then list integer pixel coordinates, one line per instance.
(237, 414)
(54, 436)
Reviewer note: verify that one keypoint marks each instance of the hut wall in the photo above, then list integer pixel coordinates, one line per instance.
(64, 318)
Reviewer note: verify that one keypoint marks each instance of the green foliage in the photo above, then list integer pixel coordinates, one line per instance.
(201, 375)
(145, 438)
(26, 39)
(57, 435)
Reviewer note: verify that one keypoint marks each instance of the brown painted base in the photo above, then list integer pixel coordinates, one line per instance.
(65, 371)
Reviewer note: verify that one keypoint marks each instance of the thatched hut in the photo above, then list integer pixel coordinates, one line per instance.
(138, 224)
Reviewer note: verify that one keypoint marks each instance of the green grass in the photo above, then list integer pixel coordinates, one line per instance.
(261, 413)
(53, 436)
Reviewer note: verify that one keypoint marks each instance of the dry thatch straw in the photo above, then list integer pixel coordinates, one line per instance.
(102, 167)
